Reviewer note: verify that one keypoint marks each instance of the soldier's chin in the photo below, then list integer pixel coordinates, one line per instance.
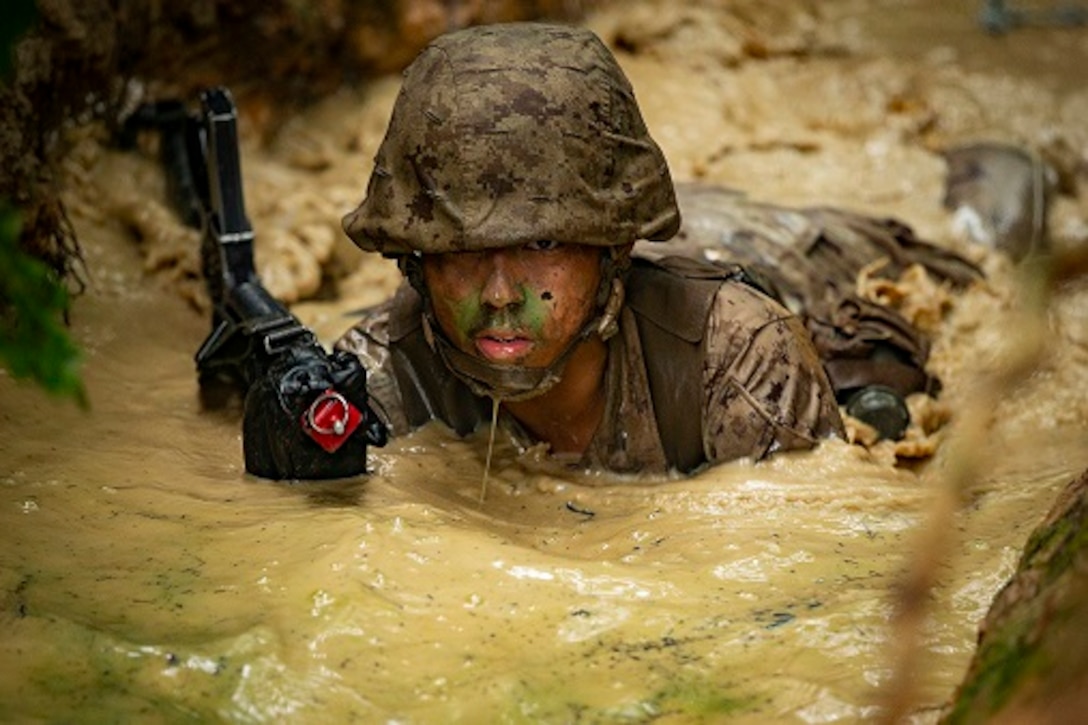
(508, 382)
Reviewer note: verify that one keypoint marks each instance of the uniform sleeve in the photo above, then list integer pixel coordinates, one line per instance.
(369, 340)
(766, 389)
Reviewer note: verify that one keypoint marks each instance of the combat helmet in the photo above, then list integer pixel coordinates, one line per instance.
(509, 134)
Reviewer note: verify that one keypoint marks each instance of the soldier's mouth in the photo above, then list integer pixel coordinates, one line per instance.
(503, 347)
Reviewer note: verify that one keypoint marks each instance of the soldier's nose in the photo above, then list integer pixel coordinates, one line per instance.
(500, 290)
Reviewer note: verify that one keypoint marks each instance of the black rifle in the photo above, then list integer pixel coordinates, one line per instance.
(306, 411)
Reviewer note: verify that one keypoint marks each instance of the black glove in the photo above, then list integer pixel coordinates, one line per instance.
(307, 417)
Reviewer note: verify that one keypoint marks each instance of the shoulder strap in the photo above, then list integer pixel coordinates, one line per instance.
(671, 300)
(428, 390)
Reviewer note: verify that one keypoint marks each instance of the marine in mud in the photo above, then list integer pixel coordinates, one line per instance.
(548, 277)
(515, 176)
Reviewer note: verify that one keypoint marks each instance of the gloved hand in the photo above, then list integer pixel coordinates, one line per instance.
(307, 417)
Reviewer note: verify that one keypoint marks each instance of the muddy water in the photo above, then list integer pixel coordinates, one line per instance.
(144, 577)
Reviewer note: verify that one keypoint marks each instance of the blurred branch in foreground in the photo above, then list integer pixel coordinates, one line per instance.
(993, 680)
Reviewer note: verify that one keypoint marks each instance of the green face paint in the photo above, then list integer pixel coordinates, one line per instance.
(535, 310)
(519, 306)
(466, 315)
(470, 315)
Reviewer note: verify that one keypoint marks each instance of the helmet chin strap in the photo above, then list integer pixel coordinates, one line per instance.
(517, 382)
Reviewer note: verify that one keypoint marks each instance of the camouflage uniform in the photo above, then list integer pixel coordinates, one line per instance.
(810, 259)
(741, 361)
(505, 135)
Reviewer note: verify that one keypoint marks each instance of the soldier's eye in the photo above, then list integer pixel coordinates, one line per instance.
(542, 245)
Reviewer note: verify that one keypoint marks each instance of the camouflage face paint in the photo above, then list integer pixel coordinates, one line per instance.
(472, 316)
(535, 310)
(520, 305)
(466, 316)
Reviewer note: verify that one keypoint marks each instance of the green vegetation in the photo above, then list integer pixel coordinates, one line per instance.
(34, 342)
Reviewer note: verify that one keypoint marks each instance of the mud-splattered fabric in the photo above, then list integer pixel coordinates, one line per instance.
(509, 134)
(763, 388)
(766, 386)
(811, 259)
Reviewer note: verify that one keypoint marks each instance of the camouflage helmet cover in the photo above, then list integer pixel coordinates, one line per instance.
(509, 134)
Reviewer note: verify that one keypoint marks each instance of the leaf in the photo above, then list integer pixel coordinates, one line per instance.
(34, 342)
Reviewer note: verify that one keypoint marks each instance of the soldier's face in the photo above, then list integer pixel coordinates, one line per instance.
(516, 305)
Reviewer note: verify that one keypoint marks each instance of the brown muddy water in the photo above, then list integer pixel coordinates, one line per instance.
(145, 578)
